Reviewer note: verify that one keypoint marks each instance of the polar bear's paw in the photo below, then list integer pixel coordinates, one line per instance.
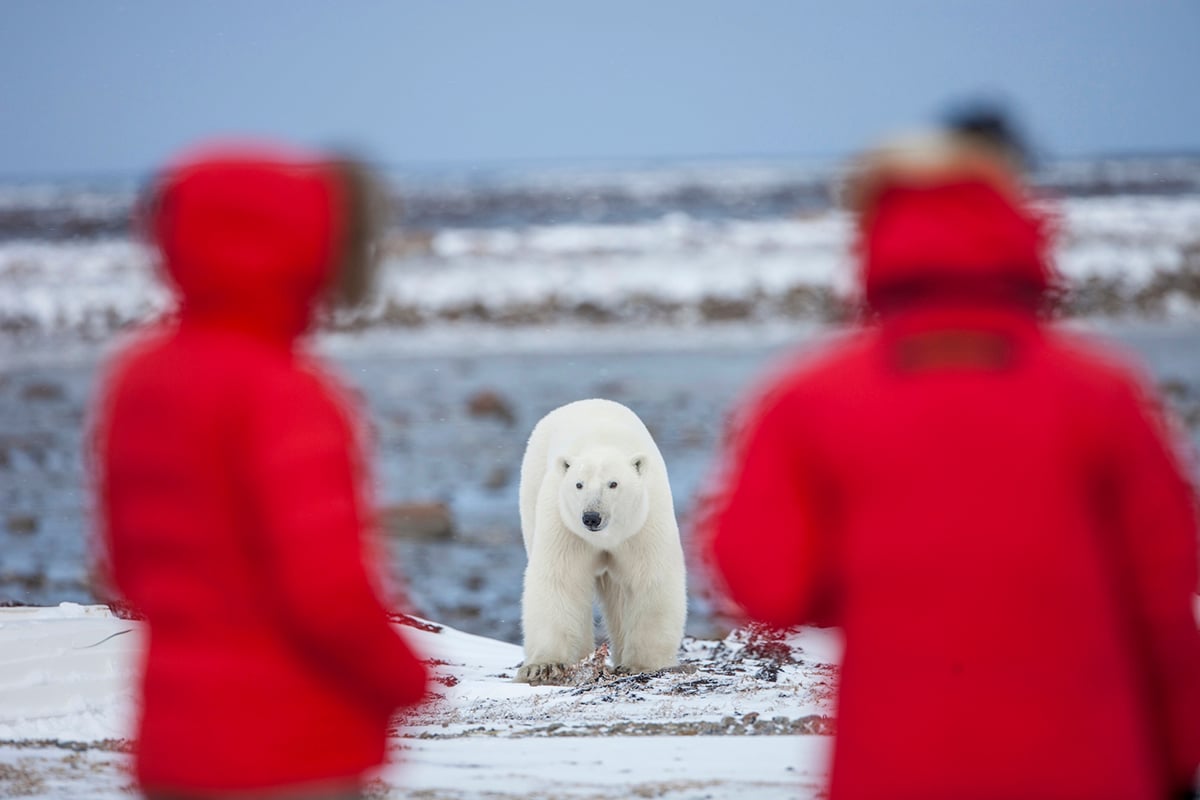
(545, 674)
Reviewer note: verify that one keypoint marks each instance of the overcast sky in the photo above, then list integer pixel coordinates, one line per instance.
(116, 87)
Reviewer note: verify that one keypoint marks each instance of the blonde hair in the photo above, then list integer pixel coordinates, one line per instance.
(928, 159)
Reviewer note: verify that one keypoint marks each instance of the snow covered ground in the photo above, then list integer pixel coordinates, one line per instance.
(1117, 255)
(748, 716)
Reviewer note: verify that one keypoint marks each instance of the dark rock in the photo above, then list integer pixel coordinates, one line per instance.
(417, 521)
(22, 524)
(720, 309)
(43, 391)
(488, 403)
(497, 478)
(593, 312)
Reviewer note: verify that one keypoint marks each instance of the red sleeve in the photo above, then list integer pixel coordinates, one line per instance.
(310, 490)
(1156, 515)
(765, 539)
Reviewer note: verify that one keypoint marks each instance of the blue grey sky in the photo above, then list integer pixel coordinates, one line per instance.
(117, 86)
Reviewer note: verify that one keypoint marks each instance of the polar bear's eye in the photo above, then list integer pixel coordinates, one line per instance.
(579, 486)
(612, 485)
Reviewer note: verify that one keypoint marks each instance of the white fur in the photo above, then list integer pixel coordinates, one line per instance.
(634, 560)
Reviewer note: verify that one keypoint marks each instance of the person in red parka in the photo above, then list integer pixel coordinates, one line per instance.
(232, 492)
(991, 508)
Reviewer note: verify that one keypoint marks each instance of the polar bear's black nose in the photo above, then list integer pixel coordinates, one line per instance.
(591, 520)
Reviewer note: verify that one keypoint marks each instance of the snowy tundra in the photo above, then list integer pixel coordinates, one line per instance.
(751, 720)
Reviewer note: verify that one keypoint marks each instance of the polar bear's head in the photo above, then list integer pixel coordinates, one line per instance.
(602, 495)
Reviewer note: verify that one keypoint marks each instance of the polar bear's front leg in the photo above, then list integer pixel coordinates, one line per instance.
(646, 619)
(556, 610)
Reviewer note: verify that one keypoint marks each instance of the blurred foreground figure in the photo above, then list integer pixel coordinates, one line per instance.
(990, 508)
(232, 494)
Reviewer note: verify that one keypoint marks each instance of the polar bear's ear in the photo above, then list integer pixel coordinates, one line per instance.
(563, 465)
(638, 462)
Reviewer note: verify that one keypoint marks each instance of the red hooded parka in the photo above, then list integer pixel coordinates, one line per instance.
(232, 498)
(991, 511)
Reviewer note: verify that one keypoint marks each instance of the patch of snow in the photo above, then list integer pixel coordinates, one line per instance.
(736, 717)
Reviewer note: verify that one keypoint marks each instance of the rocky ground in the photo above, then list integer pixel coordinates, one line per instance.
(449, 427)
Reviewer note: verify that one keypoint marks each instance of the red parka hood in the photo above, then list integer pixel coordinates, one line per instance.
(948, 221)
(248, 236)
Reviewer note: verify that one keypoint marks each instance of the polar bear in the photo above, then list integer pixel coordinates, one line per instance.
(597, 517)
